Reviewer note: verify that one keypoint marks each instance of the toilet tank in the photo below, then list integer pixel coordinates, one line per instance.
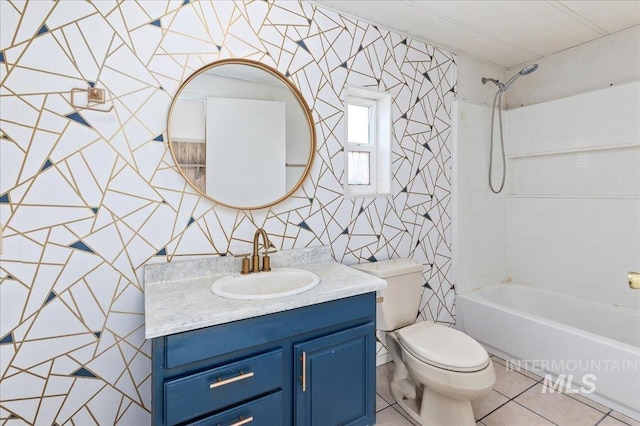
(401, 298)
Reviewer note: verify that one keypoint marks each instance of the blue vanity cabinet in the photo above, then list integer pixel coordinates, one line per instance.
(250, 371)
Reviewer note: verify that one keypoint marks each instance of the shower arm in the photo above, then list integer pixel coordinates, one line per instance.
(501, 87)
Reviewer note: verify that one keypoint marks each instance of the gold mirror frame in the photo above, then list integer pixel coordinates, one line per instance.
(302, 103)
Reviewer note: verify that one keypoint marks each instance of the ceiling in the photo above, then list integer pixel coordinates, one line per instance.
(506, 33)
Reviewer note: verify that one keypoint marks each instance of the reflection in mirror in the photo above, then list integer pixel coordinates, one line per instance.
(241, 134)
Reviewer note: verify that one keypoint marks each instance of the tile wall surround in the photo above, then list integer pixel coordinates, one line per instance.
(480, 237)
(569, 219)
(580, 246)
(574, 216)
(87, 198)
(583, 130)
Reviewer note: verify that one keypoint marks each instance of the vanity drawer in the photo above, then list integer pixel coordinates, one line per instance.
(265, 411)
(214, 389)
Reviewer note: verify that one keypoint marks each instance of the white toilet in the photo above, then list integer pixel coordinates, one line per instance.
(439, 370)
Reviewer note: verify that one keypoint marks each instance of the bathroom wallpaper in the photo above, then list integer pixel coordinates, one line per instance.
(88, 198)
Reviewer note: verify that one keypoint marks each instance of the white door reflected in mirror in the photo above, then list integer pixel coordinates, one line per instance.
(256, 158)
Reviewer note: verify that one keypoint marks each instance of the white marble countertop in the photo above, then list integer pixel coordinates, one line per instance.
(178, 295)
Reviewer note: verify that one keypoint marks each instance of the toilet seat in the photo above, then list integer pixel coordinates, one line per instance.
(443, 347)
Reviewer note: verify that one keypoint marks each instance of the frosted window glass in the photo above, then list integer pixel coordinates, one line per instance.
(358, 126)
(358, 168)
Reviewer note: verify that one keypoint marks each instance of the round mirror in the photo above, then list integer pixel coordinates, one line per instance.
(241, 134)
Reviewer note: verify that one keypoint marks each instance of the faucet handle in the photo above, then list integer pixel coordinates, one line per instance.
(266, 263)
(246, 268)
(266, 260)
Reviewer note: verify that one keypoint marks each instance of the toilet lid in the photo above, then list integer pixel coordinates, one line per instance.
(443, 347)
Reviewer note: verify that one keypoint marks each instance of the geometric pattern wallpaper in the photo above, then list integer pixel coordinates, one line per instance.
(88, 198)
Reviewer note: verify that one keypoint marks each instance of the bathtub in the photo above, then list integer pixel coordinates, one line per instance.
(593, 346)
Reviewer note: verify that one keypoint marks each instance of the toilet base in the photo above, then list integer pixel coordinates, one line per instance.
(409, 404)
(437, 409)
(443, 410)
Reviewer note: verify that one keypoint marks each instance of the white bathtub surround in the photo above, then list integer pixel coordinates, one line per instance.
(581, 130)
(178, 296)
(550, 332)
(574, 208)
(480, 237)
(578, 246)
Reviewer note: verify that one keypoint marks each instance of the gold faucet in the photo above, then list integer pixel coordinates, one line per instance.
(255, 259)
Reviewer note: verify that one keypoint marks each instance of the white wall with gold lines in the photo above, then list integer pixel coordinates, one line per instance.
(87, 198)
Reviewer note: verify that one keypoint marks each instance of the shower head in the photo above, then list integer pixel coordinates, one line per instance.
(524, 71)
(528, 69)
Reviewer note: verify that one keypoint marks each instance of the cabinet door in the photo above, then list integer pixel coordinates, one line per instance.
(335, 378)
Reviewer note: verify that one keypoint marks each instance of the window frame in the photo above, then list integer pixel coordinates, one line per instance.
(379, 146)
(369, 146)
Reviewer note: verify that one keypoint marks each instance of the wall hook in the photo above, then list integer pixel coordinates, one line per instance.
(94, 95)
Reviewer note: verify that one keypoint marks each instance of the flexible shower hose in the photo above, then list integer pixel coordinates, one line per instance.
(498, 99)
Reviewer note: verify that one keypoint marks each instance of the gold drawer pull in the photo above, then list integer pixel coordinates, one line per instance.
(379, 299)
(243, 421)
(231, 380)
(304, 371)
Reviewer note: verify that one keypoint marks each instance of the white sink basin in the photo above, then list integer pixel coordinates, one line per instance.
(278, 282)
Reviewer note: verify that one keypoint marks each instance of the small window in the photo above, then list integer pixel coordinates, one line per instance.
(368, 143)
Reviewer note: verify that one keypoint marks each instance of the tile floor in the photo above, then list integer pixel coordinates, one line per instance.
(516, 399)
